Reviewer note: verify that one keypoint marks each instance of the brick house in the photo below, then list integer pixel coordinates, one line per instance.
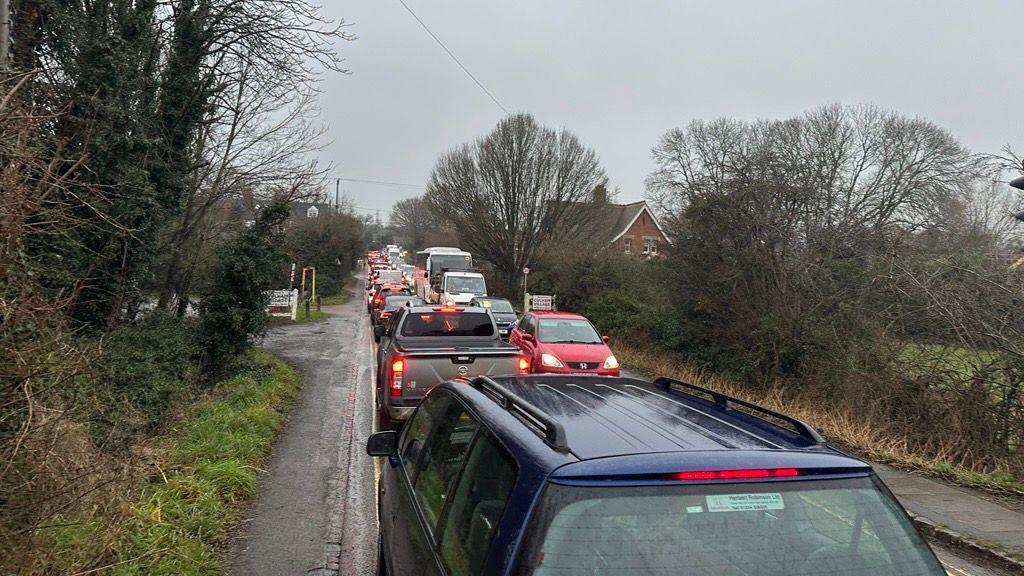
(635, 229)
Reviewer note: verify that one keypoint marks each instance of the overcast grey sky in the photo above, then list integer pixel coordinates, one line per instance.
(620, 73)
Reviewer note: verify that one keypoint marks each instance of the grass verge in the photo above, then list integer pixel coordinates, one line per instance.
(845, 427)
(203, 468)
(314, 315)
(343, 295)
(300, 318)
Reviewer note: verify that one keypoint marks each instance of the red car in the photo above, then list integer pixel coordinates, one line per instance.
(563, 343)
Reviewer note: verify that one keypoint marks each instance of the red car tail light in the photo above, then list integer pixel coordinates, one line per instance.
(397, 371)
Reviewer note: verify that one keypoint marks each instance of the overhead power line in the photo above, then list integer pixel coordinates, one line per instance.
(382, 183)
(453, 57)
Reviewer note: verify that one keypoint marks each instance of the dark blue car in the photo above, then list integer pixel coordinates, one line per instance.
(588, 475)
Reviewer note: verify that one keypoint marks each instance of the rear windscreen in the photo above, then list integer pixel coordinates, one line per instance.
(393, 302)
(447, 324)
(803, 528)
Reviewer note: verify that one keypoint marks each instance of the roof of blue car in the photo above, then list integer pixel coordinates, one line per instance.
(604, 417)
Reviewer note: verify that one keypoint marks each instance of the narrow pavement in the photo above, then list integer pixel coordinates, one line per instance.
(961, 510)
(316, 512)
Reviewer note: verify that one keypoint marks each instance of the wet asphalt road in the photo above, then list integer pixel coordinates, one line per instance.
(316, 512)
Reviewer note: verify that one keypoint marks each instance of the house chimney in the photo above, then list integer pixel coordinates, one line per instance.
(600, 194)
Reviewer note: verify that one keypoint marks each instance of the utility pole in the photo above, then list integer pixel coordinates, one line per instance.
(337, 200)
(5, 35)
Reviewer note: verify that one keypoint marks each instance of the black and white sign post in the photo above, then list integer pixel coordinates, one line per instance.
(526, 295)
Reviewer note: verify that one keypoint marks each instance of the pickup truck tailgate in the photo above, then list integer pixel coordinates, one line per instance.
(426, 368)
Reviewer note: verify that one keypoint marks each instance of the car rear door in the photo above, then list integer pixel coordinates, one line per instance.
(474, 509)
(433, 451)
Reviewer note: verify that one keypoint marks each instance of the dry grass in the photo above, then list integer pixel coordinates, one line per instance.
(847, 423)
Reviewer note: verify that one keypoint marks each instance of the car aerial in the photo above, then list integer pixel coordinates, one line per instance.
(583, 475)
(563, 343)
(422, 346)
(502, 310)
(391, 304)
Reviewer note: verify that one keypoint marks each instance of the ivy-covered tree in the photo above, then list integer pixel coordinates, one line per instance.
(234, 309)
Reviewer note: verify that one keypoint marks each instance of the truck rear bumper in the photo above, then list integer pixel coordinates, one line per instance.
(400, 413)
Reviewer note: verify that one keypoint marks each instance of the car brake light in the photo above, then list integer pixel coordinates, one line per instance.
(397, 371)
(736, 474)
(448, 309)
(524, 365)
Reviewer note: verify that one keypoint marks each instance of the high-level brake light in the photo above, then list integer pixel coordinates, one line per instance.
(448, 309)
(747, 474)
(397, 371)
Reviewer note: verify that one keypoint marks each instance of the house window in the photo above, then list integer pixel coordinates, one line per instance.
(628, 245)
(650, 246)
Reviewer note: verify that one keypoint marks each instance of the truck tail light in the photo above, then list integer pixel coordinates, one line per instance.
(524, 365)
(397, 371)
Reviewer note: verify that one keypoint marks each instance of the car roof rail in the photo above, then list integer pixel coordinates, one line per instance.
(551, 430)
(802, 429)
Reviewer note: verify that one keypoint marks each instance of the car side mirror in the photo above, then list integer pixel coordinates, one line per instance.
(378, 332)
(382, 443)
(527, 337)
(605, 338)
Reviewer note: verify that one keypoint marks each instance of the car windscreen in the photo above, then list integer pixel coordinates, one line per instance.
(464, 284)
(802, 528)
(567, 331)
(498, 306)
(447, 324)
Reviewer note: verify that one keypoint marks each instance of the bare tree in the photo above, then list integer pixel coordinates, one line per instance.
(787, 224)
(511, 191)
(412, 220)
(255, 145)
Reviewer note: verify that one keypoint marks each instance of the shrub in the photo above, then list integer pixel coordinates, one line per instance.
(143, 371)
(234, 309)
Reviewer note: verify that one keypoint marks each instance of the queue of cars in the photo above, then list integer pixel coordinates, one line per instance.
(534, 457)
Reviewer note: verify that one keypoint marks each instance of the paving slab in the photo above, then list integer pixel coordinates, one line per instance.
(959, 509)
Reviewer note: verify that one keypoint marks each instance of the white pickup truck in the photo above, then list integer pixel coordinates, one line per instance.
(460, 287)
